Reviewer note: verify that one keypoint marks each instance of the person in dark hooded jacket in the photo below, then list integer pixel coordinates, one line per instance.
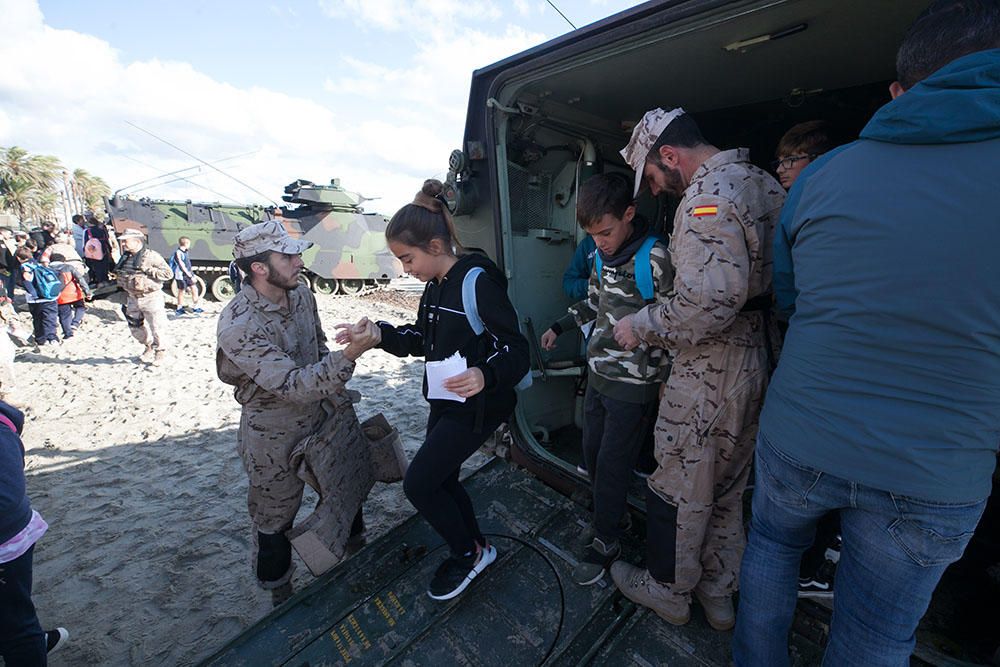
(22, 640)
(478, 400)
(885, 406)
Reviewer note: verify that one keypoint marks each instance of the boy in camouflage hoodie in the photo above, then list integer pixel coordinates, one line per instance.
(622, 386)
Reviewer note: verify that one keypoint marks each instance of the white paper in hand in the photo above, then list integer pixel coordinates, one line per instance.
(439, 371)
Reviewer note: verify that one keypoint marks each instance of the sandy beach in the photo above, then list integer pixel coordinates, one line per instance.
(134, 467)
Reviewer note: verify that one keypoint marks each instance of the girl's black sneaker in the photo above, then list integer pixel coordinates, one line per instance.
(456, 573)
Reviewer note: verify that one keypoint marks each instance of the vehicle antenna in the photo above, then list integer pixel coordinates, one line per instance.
(207, 164)
(182, 178)
(178, 171)
(553, 5)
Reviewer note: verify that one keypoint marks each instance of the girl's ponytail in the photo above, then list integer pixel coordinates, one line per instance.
(426, 219)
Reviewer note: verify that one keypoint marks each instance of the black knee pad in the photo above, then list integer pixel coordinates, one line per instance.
(274, 556)
(661, 538)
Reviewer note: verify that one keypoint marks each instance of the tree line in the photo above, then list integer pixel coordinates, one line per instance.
(34, 187)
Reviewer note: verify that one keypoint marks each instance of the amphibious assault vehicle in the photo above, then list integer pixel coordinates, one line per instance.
(349, 251)
(538, 124)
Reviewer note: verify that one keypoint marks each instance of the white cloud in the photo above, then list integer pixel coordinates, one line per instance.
(382, 127)
(46, 109)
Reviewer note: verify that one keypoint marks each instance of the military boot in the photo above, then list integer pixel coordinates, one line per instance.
(718, 610)
(147, 354)
(639, 586)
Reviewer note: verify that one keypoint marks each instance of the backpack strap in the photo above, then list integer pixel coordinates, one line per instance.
(469, 304)
(643, 270)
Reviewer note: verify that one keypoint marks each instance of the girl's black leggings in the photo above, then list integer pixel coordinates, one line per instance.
(432, 483)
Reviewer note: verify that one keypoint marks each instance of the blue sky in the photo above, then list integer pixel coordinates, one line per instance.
(371, 91)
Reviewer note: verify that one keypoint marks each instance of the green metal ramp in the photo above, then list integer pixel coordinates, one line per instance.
(373, 609)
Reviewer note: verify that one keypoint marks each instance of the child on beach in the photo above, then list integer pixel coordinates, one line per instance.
(622, 386)
(71, 306)
(184, 276)
(22, 640)
(479, 399)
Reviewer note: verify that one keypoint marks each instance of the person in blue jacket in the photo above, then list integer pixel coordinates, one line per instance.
(577, 275)
(886, 403)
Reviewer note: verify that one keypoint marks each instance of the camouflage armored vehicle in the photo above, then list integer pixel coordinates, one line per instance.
(349, 251)
(538, 124)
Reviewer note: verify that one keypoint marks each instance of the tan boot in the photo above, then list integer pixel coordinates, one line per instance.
(639, 586)
(718, 610)
(159, 357)
(147, 354)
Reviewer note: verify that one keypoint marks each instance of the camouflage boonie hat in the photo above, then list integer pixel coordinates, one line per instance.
(645, 134)
(264, 236)
(131, 234)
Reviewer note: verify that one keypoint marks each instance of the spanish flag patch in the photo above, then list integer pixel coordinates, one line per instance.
(700, 211)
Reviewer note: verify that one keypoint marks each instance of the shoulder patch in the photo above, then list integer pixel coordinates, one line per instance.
(699, 211)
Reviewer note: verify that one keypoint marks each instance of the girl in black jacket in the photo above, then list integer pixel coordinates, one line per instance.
(422, 236)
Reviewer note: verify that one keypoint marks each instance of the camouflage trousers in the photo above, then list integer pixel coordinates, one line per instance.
(704, 437)
(265, 441)
(150, 310)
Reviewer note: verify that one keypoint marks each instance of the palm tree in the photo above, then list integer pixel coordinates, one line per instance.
(28, 183)
(92, 189)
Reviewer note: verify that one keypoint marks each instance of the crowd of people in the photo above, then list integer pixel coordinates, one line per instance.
(795, 329)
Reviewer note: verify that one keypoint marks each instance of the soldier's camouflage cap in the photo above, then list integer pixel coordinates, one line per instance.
(264, 236)
(131, 234)
(645, 134)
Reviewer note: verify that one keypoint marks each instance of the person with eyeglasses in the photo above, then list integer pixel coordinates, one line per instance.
(799, 146)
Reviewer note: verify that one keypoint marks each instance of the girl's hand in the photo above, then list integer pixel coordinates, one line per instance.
(466, 384)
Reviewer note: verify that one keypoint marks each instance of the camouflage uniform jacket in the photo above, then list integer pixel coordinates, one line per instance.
(630, 376)
(721, 249)
(275, 356)
(150, 274)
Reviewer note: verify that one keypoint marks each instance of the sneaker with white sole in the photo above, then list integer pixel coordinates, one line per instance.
(457, 572)
(597, 558)
(55, 639)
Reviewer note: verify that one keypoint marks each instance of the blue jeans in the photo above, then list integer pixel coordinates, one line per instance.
(895, 550)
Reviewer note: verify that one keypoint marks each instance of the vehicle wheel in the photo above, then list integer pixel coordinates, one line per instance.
(304, 280)
(383, 282)
(325, 285)
(351, 286)
(223, 288)
(198, 283)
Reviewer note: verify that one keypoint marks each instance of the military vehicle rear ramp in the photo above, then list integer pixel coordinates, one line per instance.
(525, 610)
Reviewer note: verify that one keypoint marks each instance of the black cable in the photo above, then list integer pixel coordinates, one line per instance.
(562, 593)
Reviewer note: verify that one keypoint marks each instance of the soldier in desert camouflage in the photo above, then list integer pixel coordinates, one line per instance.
(141, 272)
(272, 349)
(717, 328)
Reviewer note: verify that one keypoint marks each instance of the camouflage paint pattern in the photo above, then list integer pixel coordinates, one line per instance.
(707, 422)
(349, 243)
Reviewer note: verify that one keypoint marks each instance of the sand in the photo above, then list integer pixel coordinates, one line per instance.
(134, 467)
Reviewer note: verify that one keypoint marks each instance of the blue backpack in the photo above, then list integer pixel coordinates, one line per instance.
(471, 308)
(643, 270)
(47, 282)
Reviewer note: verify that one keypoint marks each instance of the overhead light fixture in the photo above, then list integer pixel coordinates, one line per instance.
(589, 152)
(744, 44)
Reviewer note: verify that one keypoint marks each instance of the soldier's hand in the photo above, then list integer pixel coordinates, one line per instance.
(549, 339)
(466, 384)
(625, 335)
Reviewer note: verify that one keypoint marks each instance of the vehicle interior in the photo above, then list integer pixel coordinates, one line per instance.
(747, 72)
